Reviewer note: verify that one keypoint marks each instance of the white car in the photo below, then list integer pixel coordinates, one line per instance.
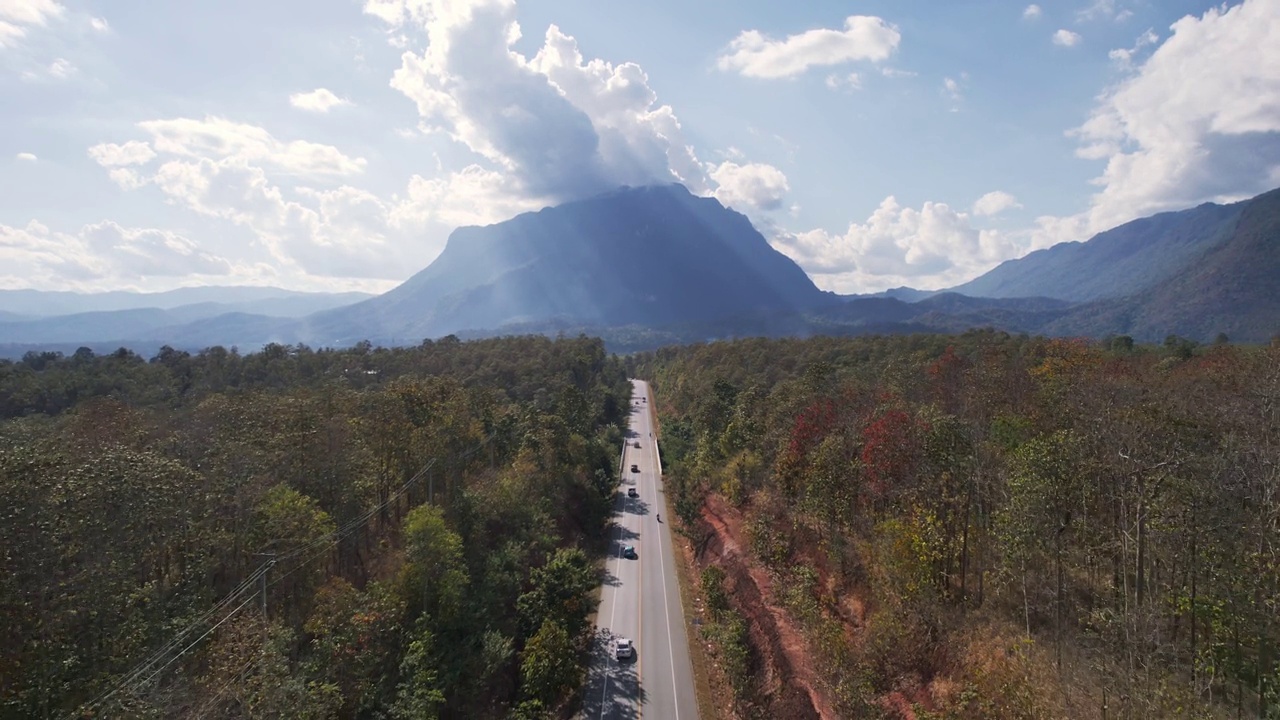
(623, 649)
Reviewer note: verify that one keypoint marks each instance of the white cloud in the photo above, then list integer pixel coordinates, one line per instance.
(320, 100)
(1123, 57)
(561, 126)
(102, 255)
(1066, 38)
(864, 38)
(994, 203)
(30, 12)
(1032, 12)
(896, 73)
(61, 69)
(99, 25)
(1198, 121)
(16, 16)
(1104, 10)
(847, 82)
(28, 157)
(932, 247)
(227, 171)
(753, 186)
(221, 138)
(951, 91)
(132, 152)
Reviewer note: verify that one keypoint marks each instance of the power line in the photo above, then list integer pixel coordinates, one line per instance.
(324, 544)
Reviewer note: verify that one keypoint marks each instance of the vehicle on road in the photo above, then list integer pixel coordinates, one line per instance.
(636, 445)
(635, 468)
(629, 552)
(631, 492)
(623, 649)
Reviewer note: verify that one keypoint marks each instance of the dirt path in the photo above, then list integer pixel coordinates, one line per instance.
(795, 687)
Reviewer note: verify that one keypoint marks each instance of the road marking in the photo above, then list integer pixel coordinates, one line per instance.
(613, 607)
(671, 653)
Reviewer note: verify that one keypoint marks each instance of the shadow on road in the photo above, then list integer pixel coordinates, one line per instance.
(612, 688)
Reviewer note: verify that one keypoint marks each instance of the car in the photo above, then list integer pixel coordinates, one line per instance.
(623, 649)
(635, 468)
(629, 552)
(636, 445)
(631, 492)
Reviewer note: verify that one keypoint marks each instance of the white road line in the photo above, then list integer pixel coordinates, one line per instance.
(675, 694)
(613, 607)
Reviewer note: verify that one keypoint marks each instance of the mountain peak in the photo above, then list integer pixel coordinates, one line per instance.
(647, 255)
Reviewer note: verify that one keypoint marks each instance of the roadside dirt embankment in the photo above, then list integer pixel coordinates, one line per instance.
(787, 683)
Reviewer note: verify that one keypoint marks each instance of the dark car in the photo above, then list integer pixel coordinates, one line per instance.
(629, 552)
(636, 444)
(635, 468)
(631, 492)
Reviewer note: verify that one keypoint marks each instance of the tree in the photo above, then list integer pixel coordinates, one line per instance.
(561, 593)
(548, 666)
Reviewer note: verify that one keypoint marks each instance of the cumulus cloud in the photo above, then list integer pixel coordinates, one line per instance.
(1198, 120)
(932, 247)
(1123, 57)
(864, 37)
(26, 156)
(1104, 10)
(132, 152)
(845, 82)
(221, 138)
(320, 100)
(99, 25)
(994, 203)
(561, 126)
(30, 12)
(233, 172)
(61, 69)
(1032, 12)
(753, 186)
(951, 91)
(17, 16)
(100, 255)
(1066, 38)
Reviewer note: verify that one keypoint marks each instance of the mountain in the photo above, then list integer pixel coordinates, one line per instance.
(903, 293)
(648, 256)
(1232, 288)
(218, 299)
(1122, 261)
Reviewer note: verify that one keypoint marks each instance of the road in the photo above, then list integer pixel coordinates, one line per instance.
(641, 597)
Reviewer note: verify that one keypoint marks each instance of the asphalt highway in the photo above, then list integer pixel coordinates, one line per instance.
(641, 597)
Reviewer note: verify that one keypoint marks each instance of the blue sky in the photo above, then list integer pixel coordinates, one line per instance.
(334, 144)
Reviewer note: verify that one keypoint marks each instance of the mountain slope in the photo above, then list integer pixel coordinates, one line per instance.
(1122, 261)
(646, 256)
(1233, 288)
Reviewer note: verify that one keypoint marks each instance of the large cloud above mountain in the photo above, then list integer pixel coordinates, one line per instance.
(562, 127)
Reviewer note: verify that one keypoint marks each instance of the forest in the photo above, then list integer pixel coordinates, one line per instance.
(299, 533)
(982, 525)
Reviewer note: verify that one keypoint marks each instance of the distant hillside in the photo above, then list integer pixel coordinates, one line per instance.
(266, 300)
(1233, 288)
(1119, 262)
(649, 256)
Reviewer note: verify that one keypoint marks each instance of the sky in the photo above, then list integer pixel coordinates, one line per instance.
(335, 144)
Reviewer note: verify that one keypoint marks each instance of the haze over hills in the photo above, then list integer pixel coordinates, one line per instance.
(33, 316)
(238, 298)
(656, 265)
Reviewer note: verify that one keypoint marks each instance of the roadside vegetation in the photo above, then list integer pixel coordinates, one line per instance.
(359, 533)
(982, 525)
